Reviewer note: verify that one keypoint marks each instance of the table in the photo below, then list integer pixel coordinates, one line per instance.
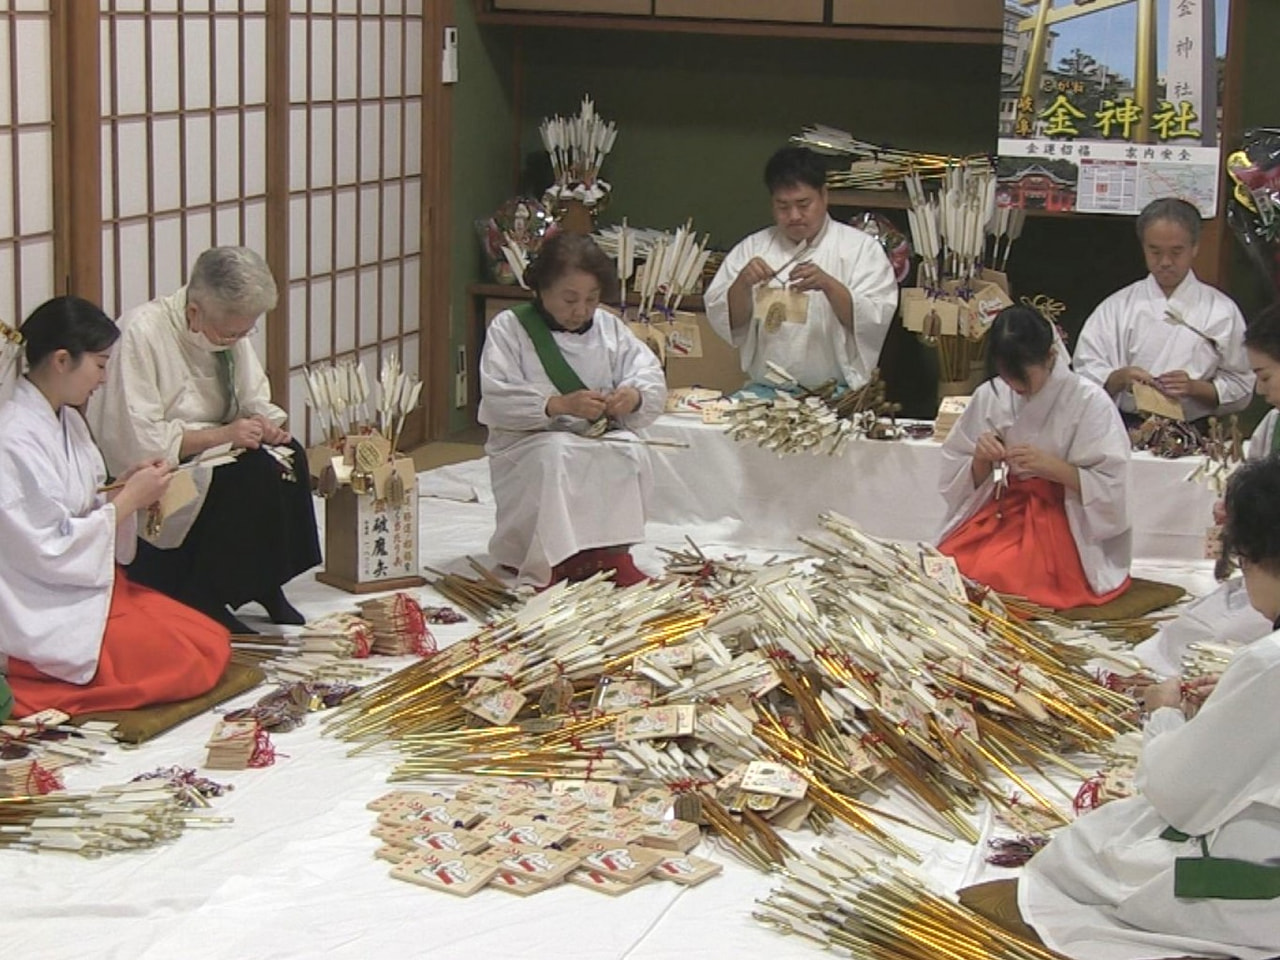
(889, 488)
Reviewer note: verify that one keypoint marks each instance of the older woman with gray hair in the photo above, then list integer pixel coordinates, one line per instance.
(185, 379)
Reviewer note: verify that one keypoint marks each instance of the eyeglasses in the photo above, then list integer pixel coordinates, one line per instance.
(217, 336)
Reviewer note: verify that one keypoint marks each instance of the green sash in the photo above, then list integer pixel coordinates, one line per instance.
(6, 699)
(227, 378)
(1275, 438)
(553, 362)
(1217, 878)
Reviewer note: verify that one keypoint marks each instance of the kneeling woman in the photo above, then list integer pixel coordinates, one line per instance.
(1036, 475)
(1190, 865)
(77, 635)
(553, 373)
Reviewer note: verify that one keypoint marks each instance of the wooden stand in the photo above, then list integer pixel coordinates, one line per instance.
(370, 546)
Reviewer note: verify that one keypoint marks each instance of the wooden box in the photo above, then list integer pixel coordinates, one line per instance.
(781, 11)
(643, 7)
(962, 14)
(369, 545)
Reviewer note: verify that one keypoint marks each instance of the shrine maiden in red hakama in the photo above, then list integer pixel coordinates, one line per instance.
(1058, 531)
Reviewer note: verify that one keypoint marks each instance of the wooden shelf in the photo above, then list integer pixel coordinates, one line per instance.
(739, 28)
(511, 291)
(876, 199)
(897, 200)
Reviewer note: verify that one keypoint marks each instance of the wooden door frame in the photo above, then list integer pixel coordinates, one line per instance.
(435, 326)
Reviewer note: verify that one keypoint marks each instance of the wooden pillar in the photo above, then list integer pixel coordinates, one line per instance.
(436, 358)
(77, 131)
(277, 252)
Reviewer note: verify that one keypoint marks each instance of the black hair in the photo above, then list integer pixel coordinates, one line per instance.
(566, 252)
(67, 323)
(1020, 337)
(794, 167)
(1175, 211)
(1252, 530)
(1263, 332)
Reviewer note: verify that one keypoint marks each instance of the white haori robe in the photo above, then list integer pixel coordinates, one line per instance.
(557, 492)
(1223, 616)
(1128, 329)
(162, 381)
(1070, 418)
(1103, 887)
(821, 348)
(61, 543)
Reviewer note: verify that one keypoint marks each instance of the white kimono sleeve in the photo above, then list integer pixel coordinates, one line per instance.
(1233, 379)
(716, 299)
(636, 366)
(1260, 442)
(870, 281)
(253, 389)
(1100, 452)
(1204, 773)
(508, 400)
(1099, 351)
(132, 421)
(955, 480)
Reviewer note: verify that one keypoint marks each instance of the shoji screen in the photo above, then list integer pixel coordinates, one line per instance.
(183, 140)
(26, 159)
(355, 182)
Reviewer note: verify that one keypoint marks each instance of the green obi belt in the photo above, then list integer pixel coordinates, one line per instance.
(1219, 878)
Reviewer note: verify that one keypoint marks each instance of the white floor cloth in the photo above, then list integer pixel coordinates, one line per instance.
(294, 875)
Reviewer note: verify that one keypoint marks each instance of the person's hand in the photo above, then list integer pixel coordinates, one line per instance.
(156, 462)
(1195, 691)
(1032, 461)
(587, 404)
(621, 402)
(1175, 383)
(1166, 693)
(146, 484)
(808, 276)
(1132, 375)
(989, 449)
(756, 271)
(246, 432)
(270, 432)
(1220, 512)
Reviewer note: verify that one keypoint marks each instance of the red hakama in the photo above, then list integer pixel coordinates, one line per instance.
(154, 650)
(1021, 544)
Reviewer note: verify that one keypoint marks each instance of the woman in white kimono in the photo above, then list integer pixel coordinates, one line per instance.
(1225, 615)
(1035, 475)
(553, 374)
(1168, 330)
(75, 634)
(1190, 865)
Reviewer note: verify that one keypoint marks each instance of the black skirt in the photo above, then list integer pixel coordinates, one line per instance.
(255, 532)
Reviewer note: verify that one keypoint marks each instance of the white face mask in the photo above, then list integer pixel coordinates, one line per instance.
(201, 342)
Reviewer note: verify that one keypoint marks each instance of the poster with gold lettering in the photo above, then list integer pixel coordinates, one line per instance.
(1106, 105)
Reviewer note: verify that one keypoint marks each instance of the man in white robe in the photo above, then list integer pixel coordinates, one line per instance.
(1169, 330)
(845, 285)
(1069, 418)
(558, 492)
(184, 379)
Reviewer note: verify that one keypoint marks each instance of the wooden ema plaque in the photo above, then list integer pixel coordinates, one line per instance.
(369, 544)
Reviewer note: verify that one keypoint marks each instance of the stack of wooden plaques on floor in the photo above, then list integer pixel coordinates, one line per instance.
(523, 839)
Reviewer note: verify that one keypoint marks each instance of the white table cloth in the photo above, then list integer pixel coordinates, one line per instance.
(747, 495)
